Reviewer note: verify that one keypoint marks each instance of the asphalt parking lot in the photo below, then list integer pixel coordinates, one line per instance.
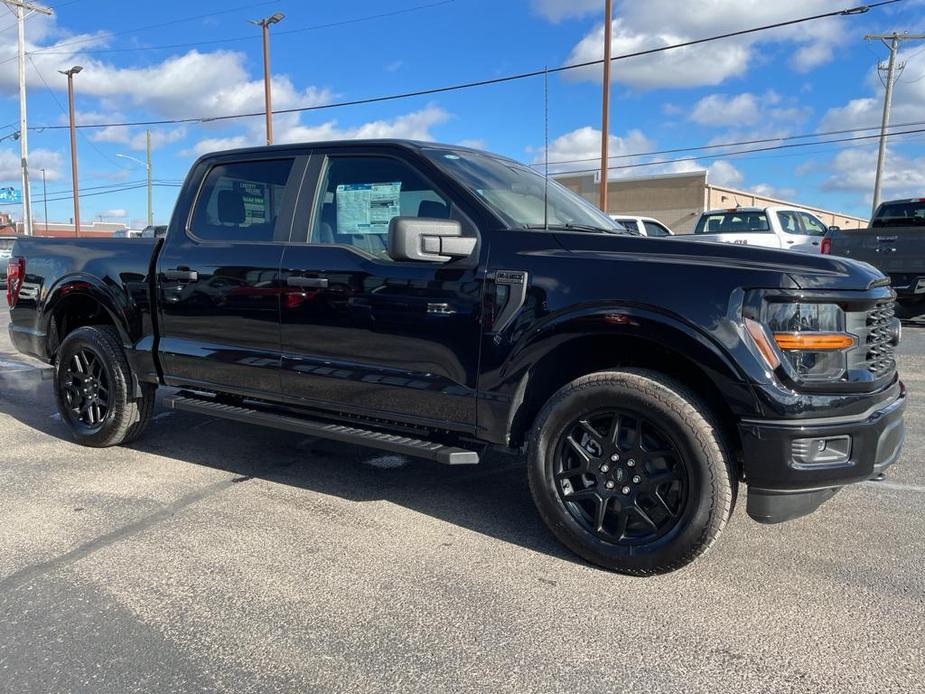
(214, 556)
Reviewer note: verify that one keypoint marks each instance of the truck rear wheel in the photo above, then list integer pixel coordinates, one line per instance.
(93, 389)
(629, 472)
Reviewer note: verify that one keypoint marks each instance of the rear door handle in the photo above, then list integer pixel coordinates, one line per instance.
(308, 282)
(187, 275)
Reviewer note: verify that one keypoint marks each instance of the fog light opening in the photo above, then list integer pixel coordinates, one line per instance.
(820, 451)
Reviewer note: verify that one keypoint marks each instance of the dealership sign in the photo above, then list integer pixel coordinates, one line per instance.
(10, 194)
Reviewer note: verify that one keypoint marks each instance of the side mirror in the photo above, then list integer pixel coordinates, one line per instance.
(428, 240)
(834, 228)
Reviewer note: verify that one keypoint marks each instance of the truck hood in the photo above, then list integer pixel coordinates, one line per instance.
(803, 270)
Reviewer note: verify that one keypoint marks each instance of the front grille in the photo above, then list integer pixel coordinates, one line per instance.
(879, 340)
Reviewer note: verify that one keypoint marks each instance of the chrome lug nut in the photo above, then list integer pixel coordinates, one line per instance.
(609, 484)
(614, 458)
(626, 490)
(630, 463)
(605, 468)
(637, 479)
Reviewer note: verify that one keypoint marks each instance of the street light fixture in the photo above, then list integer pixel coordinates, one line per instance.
(147, 165)
(70, 101)
(264, 24)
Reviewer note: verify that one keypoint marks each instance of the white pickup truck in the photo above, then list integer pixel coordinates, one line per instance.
(774, 227)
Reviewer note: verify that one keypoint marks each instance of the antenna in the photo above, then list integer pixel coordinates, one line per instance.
(546, 148)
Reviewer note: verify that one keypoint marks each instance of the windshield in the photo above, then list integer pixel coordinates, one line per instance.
(732, 222)
(517, 193)
(897, 214)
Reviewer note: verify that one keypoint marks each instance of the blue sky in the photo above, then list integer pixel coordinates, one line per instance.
(813, 77)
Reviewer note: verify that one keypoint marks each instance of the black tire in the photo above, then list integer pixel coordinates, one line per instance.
(692, 508)
(91, 363)
(908, 310)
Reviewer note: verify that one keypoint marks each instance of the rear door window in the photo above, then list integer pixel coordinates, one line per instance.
(653, 229)
(241, 201)
(812, 226)
(631, 225)
(789, 221)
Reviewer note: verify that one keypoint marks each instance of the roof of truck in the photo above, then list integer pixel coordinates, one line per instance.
(406, 144)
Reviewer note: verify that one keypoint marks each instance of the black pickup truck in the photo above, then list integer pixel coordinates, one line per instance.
(435, 300)
(895, 245)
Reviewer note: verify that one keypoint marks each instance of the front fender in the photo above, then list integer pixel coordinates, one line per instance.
(563, 346)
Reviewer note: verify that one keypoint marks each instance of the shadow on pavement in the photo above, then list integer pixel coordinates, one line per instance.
(491, 498)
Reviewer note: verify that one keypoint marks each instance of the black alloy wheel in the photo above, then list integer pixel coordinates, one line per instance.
(86, 389)
(621, 477)
(630, 470)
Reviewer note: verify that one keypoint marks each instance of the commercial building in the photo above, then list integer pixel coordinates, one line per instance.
(66, 229)
(677, 200)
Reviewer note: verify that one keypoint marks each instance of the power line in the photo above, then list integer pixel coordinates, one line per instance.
(125, 189)
(722, 145)
(250, 37)
(746, 151)
(486, 82)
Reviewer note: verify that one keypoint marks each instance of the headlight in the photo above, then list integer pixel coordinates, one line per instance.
(812, 338)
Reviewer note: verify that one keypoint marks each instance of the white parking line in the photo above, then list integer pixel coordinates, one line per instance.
(915, 488)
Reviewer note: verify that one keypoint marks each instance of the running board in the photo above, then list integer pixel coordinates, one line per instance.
(404, 445)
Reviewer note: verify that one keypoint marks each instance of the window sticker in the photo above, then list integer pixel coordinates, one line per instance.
(367, 208)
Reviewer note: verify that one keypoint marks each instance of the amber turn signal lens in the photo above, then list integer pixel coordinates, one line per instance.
(814, 342)
(760, 338)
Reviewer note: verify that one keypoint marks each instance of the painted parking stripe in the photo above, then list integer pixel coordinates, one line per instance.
(916, 488)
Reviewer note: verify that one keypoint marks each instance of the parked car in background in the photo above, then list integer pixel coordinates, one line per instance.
(772, 227)
(894, 244)
(127, 234)
(154, 232)
(434, 300)
(643, 226)
(6, 244)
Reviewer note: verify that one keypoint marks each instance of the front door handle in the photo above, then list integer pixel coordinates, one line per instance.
(182, 274)
(308, 282)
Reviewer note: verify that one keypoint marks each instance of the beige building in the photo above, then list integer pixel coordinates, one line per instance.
(677, 200)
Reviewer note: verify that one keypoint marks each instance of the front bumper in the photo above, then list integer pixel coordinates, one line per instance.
(780, 488)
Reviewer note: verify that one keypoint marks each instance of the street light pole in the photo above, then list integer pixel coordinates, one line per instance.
(147, 165)
(45, 200)
(265, 23)
(21, 8)
(605, 116)
(70, 104)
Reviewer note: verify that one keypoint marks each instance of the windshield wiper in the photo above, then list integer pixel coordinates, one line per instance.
(569, 226)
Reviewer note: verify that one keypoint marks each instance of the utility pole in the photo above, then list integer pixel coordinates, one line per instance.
(605, 117)
(21, 8)
(894, 41)
(45, 200)
(265, 23)
(70, 108)
(148, 167)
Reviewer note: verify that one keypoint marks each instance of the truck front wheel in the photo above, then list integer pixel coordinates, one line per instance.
(629, 471)
(93, 389)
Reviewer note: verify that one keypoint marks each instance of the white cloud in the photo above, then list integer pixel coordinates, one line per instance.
(722, 173)
(722, 110)
(39, 159)
(117, 213)
(853, 170)
(557, 10)
(654, 23)
(581, 148)
(771, 191)
(414, 126)
(473, 143)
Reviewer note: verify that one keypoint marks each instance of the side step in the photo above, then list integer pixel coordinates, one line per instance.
(338, 432)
